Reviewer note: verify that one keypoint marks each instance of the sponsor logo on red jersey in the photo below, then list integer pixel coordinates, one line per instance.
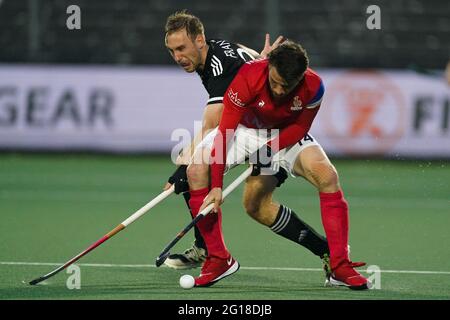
(234, 98)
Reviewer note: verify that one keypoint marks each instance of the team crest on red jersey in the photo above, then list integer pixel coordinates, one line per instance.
(297, 104)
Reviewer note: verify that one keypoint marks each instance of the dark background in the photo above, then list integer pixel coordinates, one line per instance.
(414, 33)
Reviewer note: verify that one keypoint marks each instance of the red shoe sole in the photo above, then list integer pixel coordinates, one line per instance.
(234, 268)
(337, 283)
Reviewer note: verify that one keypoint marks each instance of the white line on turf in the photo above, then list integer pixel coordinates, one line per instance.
(106, 265)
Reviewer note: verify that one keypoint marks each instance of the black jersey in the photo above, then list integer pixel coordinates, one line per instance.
(222, 63)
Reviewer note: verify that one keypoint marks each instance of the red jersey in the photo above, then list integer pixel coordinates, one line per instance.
(248, 101)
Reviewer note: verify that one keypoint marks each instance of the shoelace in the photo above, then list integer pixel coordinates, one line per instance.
(206, 265)
(193, 254)
(357, 264)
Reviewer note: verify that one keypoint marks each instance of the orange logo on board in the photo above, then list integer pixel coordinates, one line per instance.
(364, 113)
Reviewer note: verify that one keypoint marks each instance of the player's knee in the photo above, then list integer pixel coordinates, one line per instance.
(256, 208)
(252, 207)
(197, 172)
(252, 200)
(325, 176)
(258, 213)
(258, 198)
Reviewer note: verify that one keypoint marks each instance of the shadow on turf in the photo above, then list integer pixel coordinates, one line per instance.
(153, 290)
(164, 291)
(223, 290)
(163, 285)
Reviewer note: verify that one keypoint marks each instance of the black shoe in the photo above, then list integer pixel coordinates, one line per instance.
(191, 258)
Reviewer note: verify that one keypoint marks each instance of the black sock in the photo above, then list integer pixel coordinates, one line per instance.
(199, 242)
(289, 225)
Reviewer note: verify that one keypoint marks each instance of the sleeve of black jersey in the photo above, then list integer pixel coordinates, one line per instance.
(224, 68)
(218, 86)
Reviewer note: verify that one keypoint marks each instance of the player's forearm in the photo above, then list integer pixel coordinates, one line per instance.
(218, 158)
(227, 127)
(252, 52)
(294, 132)
(288, 137)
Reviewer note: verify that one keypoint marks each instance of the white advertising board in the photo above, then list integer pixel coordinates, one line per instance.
(139, 109)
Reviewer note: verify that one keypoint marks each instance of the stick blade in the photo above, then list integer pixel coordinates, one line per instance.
(36, 281)
(160, 260)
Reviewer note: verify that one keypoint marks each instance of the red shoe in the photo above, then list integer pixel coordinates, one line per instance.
(215, 269)
(345, 275)
(357, 264)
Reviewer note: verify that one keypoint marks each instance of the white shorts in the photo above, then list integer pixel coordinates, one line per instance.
(247, 140)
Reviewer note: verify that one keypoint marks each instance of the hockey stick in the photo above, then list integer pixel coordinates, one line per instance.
(109, 235)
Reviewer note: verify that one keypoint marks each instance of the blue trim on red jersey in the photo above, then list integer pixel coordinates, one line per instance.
(319, 94)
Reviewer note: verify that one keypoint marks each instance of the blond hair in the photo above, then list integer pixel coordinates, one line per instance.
(184, 20)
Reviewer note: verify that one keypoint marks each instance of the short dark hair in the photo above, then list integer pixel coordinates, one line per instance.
(184, 20)
(290, 60)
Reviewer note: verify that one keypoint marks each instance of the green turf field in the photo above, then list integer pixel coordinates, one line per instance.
(54, 206)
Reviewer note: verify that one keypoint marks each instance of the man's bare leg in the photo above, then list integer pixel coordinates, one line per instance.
(259, 204)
